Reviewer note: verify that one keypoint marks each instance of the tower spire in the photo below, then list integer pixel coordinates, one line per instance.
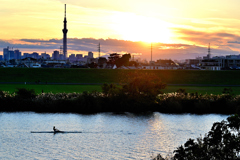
(65, 30)
(65, 15)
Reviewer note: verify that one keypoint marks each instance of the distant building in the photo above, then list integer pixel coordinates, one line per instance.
(61, 57)
(79, 56)
(17, 54)
(44, 55)
(6, 54)
(72, 57)
(210, 64)
(161, 64)
(90, 54)
(11, 54)
(26, 55)
(55, 55)
(35, 55)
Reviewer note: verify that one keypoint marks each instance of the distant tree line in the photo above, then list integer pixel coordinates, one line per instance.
(114, 59)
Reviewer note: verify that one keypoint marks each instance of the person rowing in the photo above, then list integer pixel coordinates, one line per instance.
(55, 129)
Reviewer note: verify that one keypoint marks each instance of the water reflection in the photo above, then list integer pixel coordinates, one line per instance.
(104, 136)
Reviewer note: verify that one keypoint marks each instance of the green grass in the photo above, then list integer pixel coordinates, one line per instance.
(115, 76)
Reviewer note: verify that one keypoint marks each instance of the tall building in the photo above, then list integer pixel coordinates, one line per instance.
(6, 54)
(17, 54)
(65, 30)
(11, 54)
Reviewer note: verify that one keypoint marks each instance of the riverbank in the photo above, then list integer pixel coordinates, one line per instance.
(96, 102)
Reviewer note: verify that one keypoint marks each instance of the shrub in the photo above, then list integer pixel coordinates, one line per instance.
(24, 93)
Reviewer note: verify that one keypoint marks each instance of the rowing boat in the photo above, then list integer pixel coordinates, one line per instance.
(55, 132)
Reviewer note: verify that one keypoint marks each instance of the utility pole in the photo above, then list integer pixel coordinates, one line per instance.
(209, 52)
(151, 52)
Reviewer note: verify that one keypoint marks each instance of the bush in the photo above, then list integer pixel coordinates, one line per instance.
(24, 93)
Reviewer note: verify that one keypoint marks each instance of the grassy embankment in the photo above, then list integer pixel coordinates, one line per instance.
(114, 76)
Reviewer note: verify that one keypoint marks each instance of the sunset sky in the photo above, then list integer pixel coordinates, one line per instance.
(178, 29)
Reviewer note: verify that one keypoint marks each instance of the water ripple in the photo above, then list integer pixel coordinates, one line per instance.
(104, 136)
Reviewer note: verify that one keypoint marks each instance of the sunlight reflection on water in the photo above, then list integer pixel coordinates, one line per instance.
(104, 136)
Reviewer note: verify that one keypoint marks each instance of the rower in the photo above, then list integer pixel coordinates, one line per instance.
(55, 129)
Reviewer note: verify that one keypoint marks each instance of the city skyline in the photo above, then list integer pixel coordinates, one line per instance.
(177, 29)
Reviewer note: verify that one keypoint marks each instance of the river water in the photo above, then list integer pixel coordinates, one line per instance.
(104, 136)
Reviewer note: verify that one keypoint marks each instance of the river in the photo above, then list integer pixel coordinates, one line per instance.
(100, 136)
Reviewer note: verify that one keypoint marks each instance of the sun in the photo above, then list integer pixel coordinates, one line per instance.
(141, 28)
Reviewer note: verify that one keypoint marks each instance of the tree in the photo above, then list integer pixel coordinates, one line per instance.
(123, 61)
(113, 58)
(101, 61)
(221, 143)
(142, 84)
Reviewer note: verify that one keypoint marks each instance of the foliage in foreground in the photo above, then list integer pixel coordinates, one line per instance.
(221, 143)
(115, 99)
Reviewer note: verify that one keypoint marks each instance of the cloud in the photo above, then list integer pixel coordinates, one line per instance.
(236, 42)
(216, 38)
(139, 49)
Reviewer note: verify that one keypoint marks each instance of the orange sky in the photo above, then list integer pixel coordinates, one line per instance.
(187, 22)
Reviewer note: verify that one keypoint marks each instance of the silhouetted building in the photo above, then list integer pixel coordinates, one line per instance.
(6, 54)
(90, 55)
(11, 54)
(55, 55)
(61, 57)
(25, 55)
(45, 56)
(72, 57)
(17, 54)
(35, 55)
(79, 56)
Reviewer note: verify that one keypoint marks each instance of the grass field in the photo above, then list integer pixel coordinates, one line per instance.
(114, 76)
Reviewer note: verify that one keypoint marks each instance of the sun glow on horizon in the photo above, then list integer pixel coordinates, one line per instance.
(141, 28)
